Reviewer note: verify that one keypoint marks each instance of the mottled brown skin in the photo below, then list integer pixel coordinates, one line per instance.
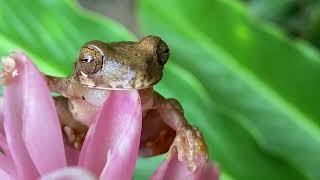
(102, 67)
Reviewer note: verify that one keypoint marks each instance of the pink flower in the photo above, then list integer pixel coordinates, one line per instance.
(32, 143)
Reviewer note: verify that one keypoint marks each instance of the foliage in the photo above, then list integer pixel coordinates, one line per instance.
(265, 106)
(300, 18)
(251, 90)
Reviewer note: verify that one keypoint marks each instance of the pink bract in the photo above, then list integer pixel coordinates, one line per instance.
(172, 169)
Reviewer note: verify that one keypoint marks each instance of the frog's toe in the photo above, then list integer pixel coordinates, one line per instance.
(69, 134)
(79, 140)
(191, 147)
(74, 137)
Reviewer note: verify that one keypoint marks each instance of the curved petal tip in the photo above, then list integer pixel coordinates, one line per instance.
(111, 145)
(69, 174)
(30, 121)
(172, 169)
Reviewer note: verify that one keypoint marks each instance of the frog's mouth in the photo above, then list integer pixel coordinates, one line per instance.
(118, 87)
(126, 80)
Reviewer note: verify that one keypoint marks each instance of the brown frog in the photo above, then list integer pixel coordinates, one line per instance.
(102, 67)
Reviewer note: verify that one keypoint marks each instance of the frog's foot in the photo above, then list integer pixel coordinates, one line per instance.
(9, 70)
(191, 147)
(74, 137)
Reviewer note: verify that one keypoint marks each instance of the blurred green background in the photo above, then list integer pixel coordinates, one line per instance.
(247, 72)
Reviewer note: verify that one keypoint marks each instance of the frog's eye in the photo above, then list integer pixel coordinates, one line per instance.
(162, 52)
(90, 60)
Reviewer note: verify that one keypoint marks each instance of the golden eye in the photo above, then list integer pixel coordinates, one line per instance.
(90, 60)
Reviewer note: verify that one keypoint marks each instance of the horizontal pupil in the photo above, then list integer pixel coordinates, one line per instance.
(88, 59)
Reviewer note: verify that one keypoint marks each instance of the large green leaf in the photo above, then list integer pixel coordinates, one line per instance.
(297, 17)
(257, 96)
(51, 31)
(279, 9)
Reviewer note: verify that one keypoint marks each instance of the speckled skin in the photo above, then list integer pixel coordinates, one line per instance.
(102, 67)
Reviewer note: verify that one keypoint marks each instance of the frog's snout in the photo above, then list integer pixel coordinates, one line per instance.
(157, 47)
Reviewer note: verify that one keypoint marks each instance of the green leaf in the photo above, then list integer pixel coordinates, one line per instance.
(52, 31)
(255, 92)
(296, 17)
(279, 9)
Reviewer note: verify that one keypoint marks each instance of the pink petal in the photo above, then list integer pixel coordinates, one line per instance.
(13, 114)
(1, 117)
(31, 123)
(3, 141)
(112, 143)
(72, 155)
(172, 169)
(6, 165)
(69, 174)
(4, 145)
(4, 175)
(209, 171)
(41, 126)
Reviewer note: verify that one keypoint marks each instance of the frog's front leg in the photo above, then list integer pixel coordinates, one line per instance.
(66, 105)
(188, 142)
(64, 86)
(74, 132)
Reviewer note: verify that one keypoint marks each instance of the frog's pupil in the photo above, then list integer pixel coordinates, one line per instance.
(88, 59)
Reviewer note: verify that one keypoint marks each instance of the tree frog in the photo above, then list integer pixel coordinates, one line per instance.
(102, 67)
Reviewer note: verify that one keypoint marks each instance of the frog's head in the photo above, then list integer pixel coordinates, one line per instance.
(122, 65)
